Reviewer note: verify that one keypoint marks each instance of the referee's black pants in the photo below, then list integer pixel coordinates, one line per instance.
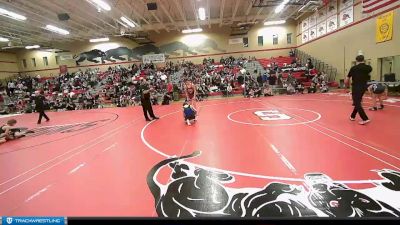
(357, 99)
(41, 115)
(147, 108)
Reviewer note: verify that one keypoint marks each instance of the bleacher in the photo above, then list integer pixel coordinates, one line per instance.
(281, 61)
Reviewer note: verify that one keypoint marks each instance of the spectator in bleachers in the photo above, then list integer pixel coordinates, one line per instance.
(92, 88)
(324, 87)
(290, 89)
(309, 64)
(299, 87)
(272, 79)
(312, 88)
(292, 53)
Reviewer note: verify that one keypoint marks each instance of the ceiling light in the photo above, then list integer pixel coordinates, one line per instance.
(99, 39)
(188, 31)
(4, 39)
(32, 46)
(280, 7)
(126, 26)
(202, 14)
(102, 4)
(127, 21)
(11, 15)
(57, 30)
(277, 22)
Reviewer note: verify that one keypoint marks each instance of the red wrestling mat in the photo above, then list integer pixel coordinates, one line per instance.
(279, 156)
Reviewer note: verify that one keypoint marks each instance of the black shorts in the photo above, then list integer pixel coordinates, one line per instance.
(379, 91)
(192, 117)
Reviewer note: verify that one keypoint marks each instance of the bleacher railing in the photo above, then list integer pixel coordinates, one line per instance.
(318, 64)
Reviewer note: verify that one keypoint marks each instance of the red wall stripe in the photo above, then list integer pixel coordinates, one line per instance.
(7, 62)
(8, 71)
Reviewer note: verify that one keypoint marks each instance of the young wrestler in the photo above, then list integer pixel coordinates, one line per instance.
(189, 113)
(190, 91)
(9, 132)
(378, 92)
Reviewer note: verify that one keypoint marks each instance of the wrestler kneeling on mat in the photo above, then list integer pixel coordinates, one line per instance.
(189, 113)
(378, 92)
(9, 132)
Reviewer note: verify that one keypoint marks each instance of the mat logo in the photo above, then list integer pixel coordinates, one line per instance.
(199, 192)
(271, 115)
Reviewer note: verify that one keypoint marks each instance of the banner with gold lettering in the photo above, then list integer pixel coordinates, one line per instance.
(384, 27)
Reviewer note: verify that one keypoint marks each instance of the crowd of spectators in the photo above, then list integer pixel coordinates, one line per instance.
(119, 85)
(277, 79)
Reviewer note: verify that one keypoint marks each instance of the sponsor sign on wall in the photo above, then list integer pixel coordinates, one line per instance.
(66, 57)
(235, 41)
(154, 58)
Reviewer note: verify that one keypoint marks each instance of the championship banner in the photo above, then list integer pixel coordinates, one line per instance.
(155, 58)
(312, 34)
(331, 23)
(321, 29)
(332, 8)
(346, 16)
(304, 37)
(345, 4)
(384, 27)
(321, 15)
(312, 21)
(304, 25)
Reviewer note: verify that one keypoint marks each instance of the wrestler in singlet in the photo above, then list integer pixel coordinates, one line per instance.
(190, 91)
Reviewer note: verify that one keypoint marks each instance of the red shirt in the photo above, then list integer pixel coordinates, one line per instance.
(169, 87)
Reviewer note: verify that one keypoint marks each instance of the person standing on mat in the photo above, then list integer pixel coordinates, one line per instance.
(360, 75)
(40, 107)
(190, 92)
(145, 100)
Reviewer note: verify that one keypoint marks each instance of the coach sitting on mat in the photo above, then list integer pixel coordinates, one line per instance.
(378, 92)
(360, 75)
(146, 100)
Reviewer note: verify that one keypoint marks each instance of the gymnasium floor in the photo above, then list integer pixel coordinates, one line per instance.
(278, 156)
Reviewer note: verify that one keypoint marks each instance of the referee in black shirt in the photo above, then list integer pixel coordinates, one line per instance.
(40, 107)
(360, 75)
(145, 100)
